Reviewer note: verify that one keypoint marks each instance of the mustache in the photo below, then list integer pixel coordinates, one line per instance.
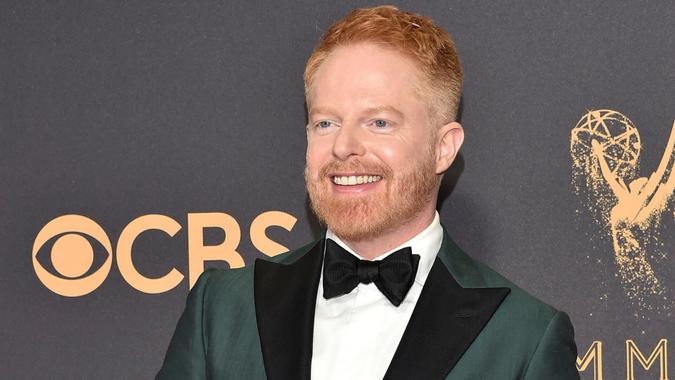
(355, 165)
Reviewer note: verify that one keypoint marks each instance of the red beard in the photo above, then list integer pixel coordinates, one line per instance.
(363, 217)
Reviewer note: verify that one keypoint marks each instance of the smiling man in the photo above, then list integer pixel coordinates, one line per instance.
(384, 293)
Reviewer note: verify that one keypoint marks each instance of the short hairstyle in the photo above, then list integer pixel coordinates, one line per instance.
(416, 37)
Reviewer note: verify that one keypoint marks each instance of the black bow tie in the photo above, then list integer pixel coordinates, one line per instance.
(394, 275)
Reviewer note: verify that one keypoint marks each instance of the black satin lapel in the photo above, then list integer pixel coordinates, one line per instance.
(446, 320)
(285, 298)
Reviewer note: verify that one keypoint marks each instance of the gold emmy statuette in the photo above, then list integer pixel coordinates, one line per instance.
(605, 147)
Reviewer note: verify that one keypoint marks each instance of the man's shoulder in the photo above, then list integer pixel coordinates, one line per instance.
(472, 273)
(540, 338)
(519, 297)
(293, 255)
(238, 282)
(520, 311)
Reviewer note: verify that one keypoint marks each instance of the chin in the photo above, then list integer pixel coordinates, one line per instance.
(360, 219)
(358, 223)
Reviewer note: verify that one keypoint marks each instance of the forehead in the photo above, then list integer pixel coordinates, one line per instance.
(365, 73)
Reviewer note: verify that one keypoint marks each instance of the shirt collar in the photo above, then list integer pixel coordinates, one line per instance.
(426, 244)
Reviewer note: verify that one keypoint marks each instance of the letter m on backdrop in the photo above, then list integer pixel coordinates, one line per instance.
(594, 355)
(660, 351)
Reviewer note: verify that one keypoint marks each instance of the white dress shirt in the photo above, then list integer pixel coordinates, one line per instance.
(356, 334)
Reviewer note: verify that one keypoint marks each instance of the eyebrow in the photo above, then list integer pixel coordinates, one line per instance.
(368, 111)
(322, 110)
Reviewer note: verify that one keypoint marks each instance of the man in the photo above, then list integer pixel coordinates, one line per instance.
(385, 293)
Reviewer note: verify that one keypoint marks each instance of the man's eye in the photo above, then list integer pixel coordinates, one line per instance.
(324, 124)
(379, 123)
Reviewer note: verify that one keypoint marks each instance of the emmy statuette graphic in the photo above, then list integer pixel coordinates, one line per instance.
(605, 147)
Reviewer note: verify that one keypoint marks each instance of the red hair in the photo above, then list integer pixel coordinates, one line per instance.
(427, 45)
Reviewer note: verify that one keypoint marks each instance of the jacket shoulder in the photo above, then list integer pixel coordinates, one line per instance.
(539, 336)
(238, 282)
(520, 297)
(472, 273)
(293, 255)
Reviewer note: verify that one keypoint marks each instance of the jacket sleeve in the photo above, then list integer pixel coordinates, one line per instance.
(556, 354)
(186, 356)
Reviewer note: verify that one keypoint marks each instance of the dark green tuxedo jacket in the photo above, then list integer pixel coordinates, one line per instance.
(469, 323)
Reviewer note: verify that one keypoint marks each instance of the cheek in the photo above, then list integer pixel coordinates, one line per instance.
(396, 154)
(318, 153)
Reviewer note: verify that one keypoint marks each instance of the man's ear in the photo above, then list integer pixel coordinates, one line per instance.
(449, 139)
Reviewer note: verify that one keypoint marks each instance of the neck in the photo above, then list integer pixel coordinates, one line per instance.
(390, 239)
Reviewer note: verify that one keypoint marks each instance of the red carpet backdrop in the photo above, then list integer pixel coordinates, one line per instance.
(141, 142)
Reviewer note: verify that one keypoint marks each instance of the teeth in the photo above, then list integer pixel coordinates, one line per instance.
(355, 180)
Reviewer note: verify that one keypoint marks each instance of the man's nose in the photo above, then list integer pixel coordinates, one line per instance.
(348, 142)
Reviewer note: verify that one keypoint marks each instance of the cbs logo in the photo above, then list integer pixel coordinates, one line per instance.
(72, 254)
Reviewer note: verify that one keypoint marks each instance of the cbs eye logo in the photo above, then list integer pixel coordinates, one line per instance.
(72, 254)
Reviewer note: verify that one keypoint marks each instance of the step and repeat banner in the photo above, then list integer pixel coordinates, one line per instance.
(141, 142)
